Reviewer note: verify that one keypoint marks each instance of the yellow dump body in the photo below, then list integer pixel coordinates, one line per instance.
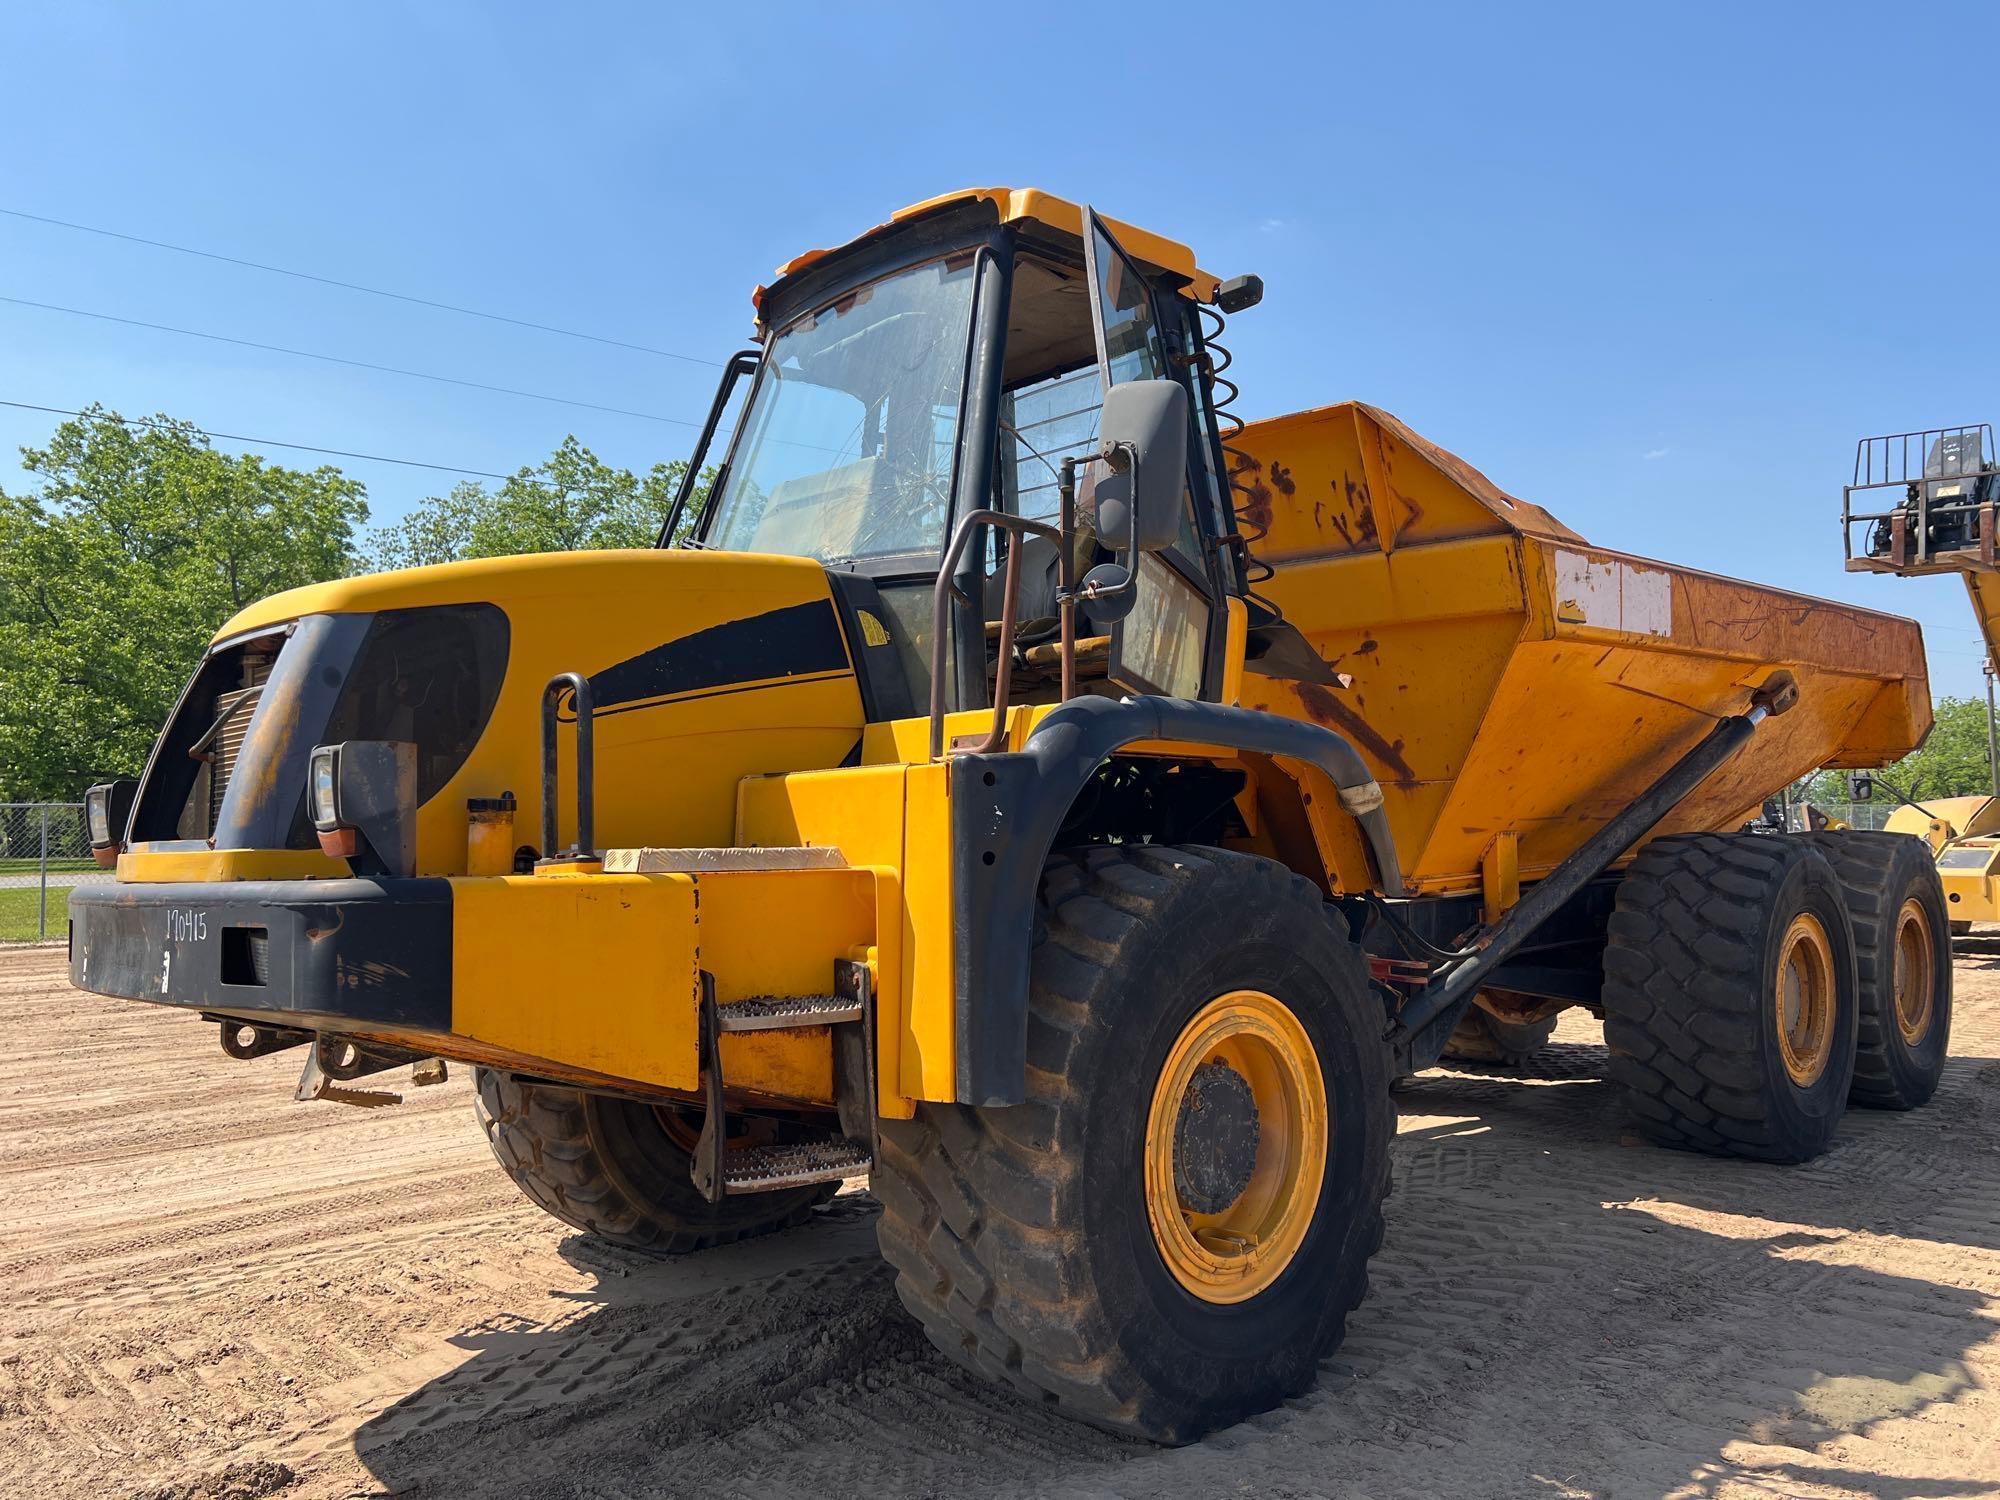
(1508, 678)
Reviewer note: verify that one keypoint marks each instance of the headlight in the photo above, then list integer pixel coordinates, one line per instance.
(362, 796)
(97, 810)
(323, 785)
(107, 808)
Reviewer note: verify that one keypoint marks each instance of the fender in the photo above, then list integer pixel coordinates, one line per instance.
(1007, 809)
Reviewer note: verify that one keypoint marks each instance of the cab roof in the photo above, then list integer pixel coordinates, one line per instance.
(1015, 205)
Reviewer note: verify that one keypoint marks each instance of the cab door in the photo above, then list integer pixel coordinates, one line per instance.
(1163, 645)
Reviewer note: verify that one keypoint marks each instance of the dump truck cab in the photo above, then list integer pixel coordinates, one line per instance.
(1020, 780)
(942, 366)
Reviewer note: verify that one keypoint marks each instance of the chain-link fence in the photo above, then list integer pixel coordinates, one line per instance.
(44, 852)
(1853, 814)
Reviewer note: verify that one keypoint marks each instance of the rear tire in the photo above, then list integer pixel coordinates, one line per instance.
(1035, 1242)
(1730, 995)
(616, 1169)
(1482, 1037)
(1902, 949)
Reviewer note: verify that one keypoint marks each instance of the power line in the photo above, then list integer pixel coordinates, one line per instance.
(335, 359)
(355, 286)
(233, 437)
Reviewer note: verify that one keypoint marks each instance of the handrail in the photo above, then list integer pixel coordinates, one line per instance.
(242, 699)
(946, 589)
(586, 761)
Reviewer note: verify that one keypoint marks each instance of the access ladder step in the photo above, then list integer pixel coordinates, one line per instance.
(719, 861)
(765, 1169)
(778, 1012)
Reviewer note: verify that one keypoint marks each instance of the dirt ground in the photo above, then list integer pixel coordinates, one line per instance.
(209, 1290)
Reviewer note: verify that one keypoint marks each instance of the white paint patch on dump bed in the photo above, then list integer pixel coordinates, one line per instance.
(1606, 593)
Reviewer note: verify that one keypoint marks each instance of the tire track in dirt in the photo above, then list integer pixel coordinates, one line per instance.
(196, 1271)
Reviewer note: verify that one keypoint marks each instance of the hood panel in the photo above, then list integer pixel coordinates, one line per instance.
(706, 667)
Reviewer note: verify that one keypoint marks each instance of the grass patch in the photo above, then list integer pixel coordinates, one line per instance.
(20, 907)
(33, 864)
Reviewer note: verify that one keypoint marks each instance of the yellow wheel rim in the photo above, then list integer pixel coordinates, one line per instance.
(1244, 1055)
(1916, 971)
(1804, 995)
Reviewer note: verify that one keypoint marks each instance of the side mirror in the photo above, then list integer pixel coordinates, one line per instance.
(1860, 787)
(1142, 437)
(1107, 589)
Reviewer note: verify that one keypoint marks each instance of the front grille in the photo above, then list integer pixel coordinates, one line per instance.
(223, 744)
(225, 747)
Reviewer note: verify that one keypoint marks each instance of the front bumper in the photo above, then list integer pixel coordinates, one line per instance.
(592, 979)
(318, 954)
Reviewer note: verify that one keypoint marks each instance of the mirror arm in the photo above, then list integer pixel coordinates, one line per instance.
(1111, 456)
(1066, 576)
(1904, 797)
(1131, 467)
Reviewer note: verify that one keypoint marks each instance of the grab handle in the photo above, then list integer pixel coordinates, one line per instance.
(579, 689)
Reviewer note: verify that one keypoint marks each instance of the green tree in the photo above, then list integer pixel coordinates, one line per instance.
(570, 501)
(1951, 763)
(115, 572)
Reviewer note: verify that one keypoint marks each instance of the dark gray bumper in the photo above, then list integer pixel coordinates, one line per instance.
(320, 954)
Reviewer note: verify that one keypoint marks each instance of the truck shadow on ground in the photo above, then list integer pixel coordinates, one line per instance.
(1927, 1174)
(1978, 952)
(784, 1367)
(1551, 1311)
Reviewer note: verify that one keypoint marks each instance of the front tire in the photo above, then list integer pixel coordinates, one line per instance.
(1730, 995)
(1199, 1033)
(619, 1169)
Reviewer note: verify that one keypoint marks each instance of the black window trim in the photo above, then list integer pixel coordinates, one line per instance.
(992, 246)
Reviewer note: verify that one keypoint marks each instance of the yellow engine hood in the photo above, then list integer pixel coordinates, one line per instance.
(706, 667)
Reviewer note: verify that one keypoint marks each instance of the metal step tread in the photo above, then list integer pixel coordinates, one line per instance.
(777, 1012)
(761, 1169)
(649, 861)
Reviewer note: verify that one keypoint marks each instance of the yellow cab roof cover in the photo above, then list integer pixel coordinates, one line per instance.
(1015, 205)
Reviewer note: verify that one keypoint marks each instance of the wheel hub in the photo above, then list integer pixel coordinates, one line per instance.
(1215, 1139)
(1803, 997)
(1236, 1147)
(1916, 972)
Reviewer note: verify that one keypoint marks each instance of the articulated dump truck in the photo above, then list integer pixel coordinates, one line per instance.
(1018, 780)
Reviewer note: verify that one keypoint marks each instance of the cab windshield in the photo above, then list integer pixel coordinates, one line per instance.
(849, 439)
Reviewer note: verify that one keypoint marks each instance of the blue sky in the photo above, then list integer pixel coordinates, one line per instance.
(1655, 268)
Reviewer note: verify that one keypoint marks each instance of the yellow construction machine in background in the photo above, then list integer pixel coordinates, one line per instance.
(1964, 837)
(1025, 784)
(1944, 517)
